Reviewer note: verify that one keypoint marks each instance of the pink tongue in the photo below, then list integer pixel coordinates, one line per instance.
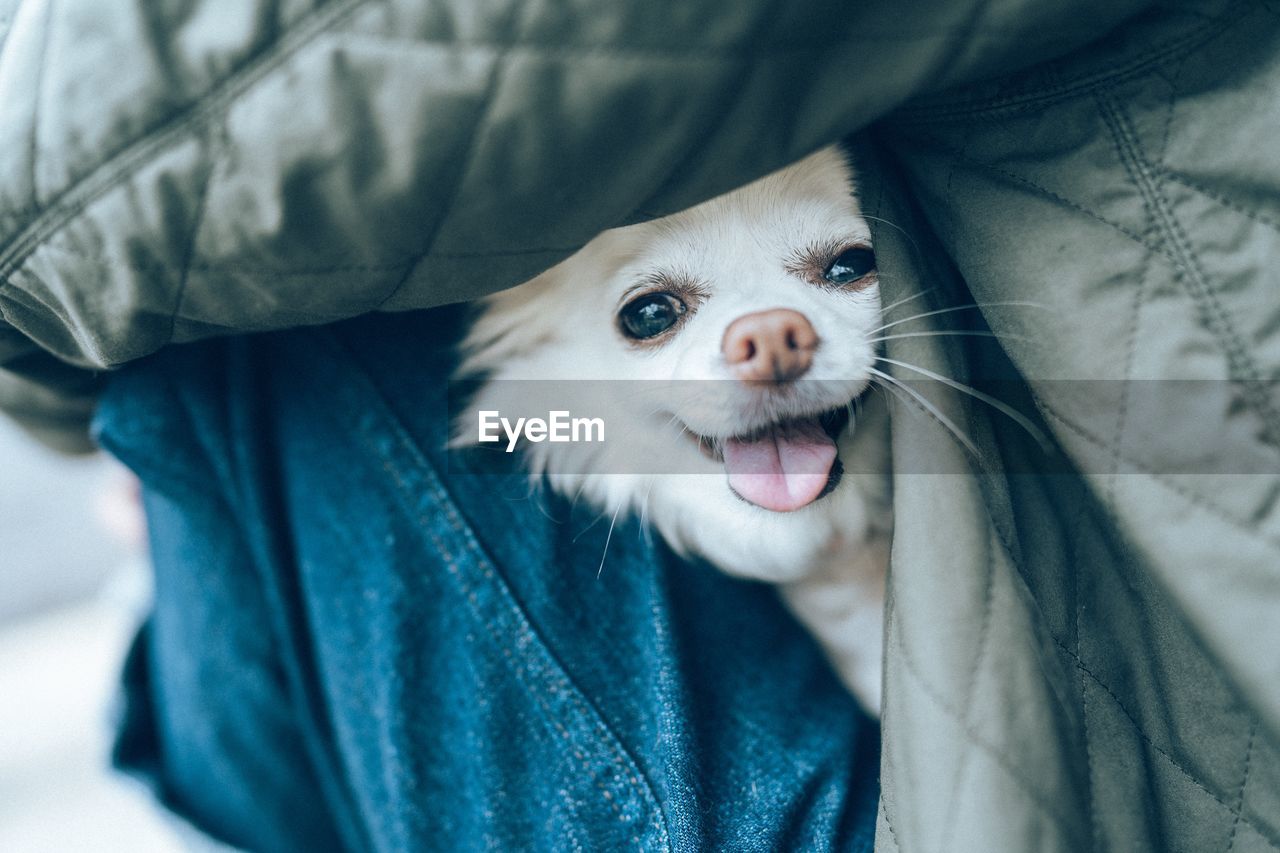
(783, 470)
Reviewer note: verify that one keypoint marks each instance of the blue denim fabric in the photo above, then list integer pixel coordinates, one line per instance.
(351, 649)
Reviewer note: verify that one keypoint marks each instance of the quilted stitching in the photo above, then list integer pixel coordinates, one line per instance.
(950, 158)
(116, 166)
(193, 234)
(1243, 364)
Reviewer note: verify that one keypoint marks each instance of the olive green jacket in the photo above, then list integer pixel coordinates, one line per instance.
(1086, 660)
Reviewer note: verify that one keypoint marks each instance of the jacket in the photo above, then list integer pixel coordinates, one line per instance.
(1082, 660)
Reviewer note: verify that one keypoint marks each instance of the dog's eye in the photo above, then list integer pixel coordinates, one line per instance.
(650, 315)
(850, 265)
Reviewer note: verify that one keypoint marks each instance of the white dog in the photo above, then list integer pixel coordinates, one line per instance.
(735, 341)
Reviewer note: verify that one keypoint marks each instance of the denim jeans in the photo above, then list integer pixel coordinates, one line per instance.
(354, 648)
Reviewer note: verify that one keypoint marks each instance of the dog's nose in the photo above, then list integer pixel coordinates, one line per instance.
(770, 346)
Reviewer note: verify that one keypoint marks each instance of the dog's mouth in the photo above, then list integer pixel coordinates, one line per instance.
(784, 466)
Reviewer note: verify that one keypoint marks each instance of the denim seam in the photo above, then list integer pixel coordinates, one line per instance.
(552, 667)
(478, 557)
(549, 712)
(316, 731)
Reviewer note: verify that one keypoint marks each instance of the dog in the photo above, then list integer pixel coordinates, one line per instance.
(737, 341)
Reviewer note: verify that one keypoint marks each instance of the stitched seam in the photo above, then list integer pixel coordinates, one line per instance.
(624, 761)
(1058, 200)
(197, 219)
(1044, 804)
(1080, 665)
(1187, 270)
(971, 692)
(617, 763)
(890, 607)
(295, 628)
(469, 154)
(634, 773)
(1131, 350)
(121, 164)
(561, 675)
(549, 716)
(141, 264)
(1271, 842)
(452, 564)
(958, 41)
(316, 23)
(893, 834)
(1172, 81)
(1244, 780)
(728, 101)
(1095, 829)
(33, 150)
(1081, 85)
(1191, 497)
(1181, 178)
(1078, 662)
(491, 90)
(678, 54)
(738, 51)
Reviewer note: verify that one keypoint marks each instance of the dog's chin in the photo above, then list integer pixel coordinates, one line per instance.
(705, 517)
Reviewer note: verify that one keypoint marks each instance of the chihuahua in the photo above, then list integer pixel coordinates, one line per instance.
(748, 433)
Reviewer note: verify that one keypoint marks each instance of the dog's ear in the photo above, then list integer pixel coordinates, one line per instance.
(512, 323)
(506, 329)
(547, 309)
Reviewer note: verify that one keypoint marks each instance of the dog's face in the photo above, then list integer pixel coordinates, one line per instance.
(747, 323)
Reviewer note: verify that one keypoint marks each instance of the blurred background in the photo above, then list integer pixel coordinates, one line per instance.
(73, 586)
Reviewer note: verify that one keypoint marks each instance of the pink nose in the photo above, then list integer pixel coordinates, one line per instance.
(770, 346)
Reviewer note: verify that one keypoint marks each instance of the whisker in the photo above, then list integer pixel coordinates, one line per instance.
(904, 300)
(931, 408)
(646, 533)
(953, 309)
(999, 405)
(949, 333)
(607, 539)
(895, 226)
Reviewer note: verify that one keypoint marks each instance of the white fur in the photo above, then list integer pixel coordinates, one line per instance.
(830, 557)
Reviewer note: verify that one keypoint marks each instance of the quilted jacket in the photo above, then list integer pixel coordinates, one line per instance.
(1085, 660)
